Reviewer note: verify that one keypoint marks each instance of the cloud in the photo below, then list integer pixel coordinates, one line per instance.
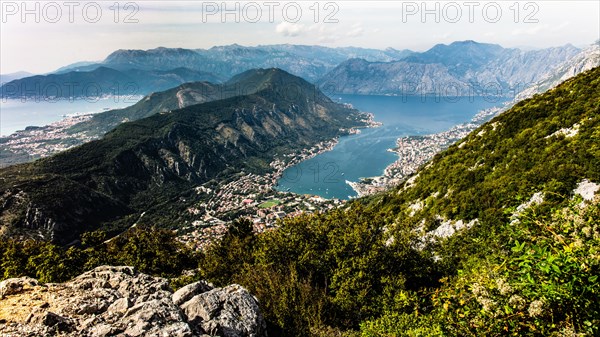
(561, 27)
(290, 29)
(356, 31)
(324, 33)
(444, 36)
(531, 31)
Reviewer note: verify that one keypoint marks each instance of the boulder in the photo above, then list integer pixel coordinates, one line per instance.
(120, 306)
(50, 320)
(120, 301)
(186, 293)
(13, 286)
(228, 312)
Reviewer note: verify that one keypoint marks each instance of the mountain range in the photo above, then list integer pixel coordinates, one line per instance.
(200, 92)
(5, 78)
(150, 162)
(140, 72)
(464, 66)
(309, 62)
(497, 234)
(100, 81)
(460, 68)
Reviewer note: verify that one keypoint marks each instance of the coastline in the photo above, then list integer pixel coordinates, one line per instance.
(280, 165)
(36, 142)
(56, 108)
(246, 194)
(415, 151)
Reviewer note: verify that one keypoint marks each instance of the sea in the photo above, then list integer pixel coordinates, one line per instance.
(16, 114)
(355, 156)
(367, 154)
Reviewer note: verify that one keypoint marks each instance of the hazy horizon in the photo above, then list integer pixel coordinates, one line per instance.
(68, 32)
(524, 48)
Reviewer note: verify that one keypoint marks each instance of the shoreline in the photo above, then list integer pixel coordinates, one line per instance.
(324, 146)
(415, 151)
(89, 109)
(42, 141)
(319, 148)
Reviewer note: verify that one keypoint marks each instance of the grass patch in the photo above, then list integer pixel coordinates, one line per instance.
(270, 203)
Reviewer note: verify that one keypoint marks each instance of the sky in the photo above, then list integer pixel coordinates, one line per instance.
(41, 36)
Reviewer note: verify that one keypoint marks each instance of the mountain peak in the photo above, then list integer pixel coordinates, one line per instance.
(466, 42)
(460, 56)
(268, 112)
(264, 75)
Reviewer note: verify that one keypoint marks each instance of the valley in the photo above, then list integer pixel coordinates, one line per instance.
(167, 155)
(471, 225)
(335, 174)
(295, 190)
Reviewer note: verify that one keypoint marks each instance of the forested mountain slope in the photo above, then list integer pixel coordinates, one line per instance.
(491, 237)
(152, 161)
(498, 235)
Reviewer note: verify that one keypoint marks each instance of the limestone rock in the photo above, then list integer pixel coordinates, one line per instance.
(50, 320)
(119, 301)
(120, 306)
(186, 293)
(229, 312)
(15, 285)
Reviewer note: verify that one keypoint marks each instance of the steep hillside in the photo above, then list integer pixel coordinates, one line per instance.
(149, 162)
(246, 83)
(358, 76)
(496, 235)
(48, 140)
(587, 59)
(176, 98)
(546, 143)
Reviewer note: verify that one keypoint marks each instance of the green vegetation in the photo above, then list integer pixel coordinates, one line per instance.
(368, 269)
(153, 251)
(543, 284)
(270, 203)
(148, 165)
(334, 275)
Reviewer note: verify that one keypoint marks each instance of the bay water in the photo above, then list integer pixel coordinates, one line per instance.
(366, 154)
(16, 114)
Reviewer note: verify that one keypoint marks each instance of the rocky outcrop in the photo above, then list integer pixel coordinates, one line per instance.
(119, 301)
(15, 285)
(587, 59)
(463, 68)
(218, 311)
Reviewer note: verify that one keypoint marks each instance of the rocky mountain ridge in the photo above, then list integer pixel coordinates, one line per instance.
(309, 62)
(460, 69)
(467, 64)
(587, 59)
